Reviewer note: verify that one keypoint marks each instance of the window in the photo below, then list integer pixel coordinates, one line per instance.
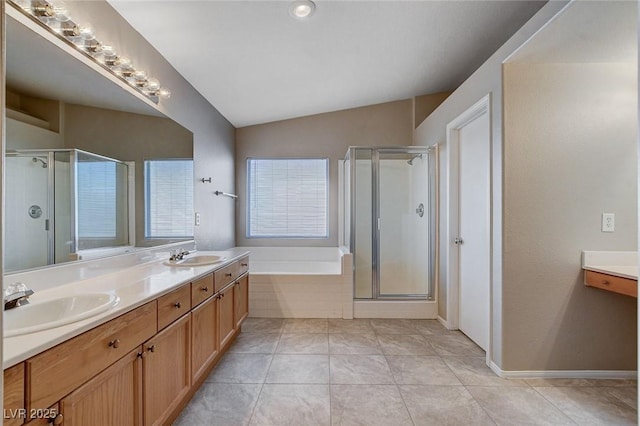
(168, 198)
(96, 199)
(287, 198)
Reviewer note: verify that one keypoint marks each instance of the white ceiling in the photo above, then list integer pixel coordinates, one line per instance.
(256, 64)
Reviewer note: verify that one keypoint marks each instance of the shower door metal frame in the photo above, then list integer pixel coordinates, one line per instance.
(50, 220)
(375, 218)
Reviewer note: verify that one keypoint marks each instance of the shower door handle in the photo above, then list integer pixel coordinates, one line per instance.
(46, 224)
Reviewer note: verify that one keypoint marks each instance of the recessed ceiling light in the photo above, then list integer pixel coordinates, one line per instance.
(302, 9)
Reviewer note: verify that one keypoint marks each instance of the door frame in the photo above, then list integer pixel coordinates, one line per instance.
(483, 106)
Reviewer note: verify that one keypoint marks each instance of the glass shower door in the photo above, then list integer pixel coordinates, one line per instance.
(403, 224)
(27, 201)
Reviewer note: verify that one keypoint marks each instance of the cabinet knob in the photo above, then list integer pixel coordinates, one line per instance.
(605, 282)
(152, 348)
(57, 420)
(115, 344)
(244, 264)
(178, 305)
(221, 296)
(228, 274)
(205, 289)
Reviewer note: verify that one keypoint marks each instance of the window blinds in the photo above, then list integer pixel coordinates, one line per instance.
(168, 198)
(287, 198)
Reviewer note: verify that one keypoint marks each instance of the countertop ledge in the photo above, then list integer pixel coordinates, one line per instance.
(134, 285)
(617, 263)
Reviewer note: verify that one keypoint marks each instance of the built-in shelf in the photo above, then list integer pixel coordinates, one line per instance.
(28, 119)
(612, 271)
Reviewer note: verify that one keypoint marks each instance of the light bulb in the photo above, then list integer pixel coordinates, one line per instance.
(301, 9)
(164, 93)
(153, 85)
(140, 78)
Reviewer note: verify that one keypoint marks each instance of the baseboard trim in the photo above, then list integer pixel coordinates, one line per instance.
(564, 374)
(443, 322)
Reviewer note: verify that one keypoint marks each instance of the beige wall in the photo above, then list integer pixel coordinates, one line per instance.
(486, 80)
(426, 104)
(570, 156)
(323, 135)
(542, 323)
(127, 137)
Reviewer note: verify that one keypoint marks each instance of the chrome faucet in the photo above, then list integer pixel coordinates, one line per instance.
(16, 294)
(178, 254)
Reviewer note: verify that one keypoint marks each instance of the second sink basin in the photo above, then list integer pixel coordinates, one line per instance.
(53, 313)
(197, 260)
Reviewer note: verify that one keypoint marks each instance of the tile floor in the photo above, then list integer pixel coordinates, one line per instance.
(386, 372)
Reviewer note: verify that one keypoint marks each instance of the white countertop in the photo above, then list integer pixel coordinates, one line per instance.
(134, 285)
(618, 263)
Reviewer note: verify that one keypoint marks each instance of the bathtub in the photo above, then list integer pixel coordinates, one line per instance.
(300, 282)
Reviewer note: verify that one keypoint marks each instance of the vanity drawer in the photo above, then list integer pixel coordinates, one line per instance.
(202, 289)
(612, 283)
(59, 370)
(242, 266)
(173, 305)
(225, 276)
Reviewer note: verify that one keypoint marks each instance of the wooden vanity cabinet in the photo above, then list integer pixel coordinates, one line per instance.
(14, 395)
(140, 368)
(113, 397)
(166, 365)
(58, 371)
(613, 283)
(204, 338)
(241, 299)
(226, 320)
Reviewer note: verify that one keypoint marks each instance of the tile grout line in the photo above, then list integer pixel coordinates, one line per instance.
(552, 403)
(253, 412)
(393, 377)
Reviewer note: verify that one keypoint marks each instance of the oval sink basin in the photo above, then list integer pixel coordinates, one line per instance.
(197, 261)
(47, 314)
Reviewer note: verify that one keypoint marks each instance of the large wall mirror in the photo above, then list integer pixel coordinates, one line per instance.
(91, 169)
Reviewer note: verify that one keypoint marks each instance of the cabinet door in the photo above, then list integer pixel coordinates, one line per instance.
(241, 299)
(204, 337)
(113, 397)
(14, 395)
(166, 371)
(226, 321)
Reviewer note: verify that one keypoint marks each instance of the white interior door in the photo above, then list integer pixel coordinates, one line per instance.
(474, 229)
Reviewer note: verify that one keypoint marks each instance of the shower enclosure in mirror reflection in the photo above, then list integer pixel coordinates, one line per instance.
(60, 203)
(389, 221)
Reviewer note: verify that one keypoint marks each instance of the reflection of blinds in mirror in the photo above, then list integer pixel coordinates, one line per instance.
(287, 198)
(96, 182)
(168, 198)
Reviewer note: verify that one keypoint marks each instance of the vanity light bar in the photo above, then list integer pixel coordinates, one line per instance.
(55, 17)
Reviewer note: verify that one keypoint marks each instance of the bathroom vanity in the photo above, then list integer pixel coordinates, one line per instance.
(142, 365)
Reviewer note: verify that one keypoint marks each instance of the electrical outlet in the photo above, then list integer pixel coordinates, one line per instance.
(608, 222)
(197, 219)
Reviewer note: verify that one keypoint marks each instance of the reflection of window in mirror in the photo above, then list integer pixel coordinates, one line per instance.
(168, 200)
(102, 202)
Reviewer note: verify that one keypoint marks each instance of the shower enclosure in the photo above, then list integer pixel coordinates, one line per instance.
(389, 221)
(59, 202)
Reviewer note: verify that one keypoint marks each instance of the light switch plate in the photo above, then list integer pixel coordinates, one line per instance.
(608, 222)
(197, 219)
